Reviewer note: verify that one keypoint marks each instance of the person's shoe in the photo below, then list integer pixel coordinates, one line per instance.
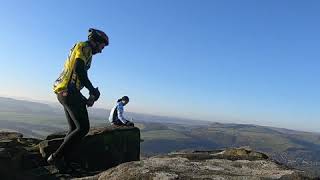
(59, 164)
(51, 159)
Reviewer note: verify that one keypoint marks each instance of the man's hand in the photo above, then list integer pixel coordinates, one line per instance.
(95, 93)
(90, 101)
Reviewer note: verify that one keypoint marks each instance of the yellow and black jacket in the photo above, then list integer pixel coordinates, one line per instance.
(74, 75)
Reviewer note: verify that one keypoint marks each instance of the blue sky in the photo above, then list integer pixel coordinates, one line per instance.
(230, 61)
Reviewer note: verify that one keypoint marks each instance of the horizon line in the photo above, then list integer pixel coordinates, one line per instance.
(157, 115)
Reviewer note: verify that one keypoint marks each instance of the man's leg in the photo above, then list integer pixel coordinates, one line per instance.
(72, 127)
(71, 124)
(79, 115)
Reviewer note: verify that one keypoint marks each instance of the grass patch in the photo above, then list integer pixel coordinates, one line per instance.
(163, 134)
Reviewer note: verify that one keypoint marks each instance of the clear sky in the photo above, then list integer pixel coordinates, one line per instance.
(236, 61)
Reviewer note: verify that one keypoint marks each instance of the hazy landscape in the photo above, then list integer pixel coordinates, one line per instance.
(165, 134)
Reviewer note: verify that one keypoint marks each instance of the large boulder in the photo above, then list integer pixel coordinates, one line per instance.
(107, 147)
(18, 154)
(243, 153)
(101, 148)
(10, 135)
(56, 135)
(219, 164)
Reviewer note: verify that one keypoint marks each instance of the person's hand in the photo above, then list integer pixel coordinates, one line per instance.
(95, 93)
(129, 123)
(90, 101)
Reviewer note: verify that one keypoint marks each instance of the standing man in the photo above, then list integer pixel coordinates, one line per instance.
(67, 87)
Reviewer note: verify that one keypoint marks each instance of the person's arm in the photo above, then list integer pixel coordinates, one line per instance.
(120, 114)
(83, 75)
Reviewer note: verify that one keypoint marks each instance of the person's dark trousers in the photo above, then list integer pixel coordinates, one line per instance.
(118, 122)
(77, 115)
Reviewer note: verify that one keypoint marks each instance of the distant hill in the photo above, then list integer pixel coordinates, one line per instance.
(293, 148)
(166, 134)
(40, 119)
(14, 105)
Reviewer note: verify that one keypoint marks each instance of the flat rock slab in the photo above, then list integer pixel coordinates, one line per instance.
(181, 166)
(101, 148)
(10, 135)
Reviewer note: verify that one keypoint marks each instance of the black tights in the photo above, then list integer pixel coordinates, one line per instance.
(118, 122)
(77, 116)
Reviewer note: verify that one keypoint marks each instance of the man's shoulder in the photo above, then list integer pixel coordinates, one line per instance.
(82, 43)
(84, 47)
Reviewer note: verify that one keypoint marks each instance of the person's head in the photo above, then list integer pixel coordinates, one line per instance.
(124, 100)
(98, 40)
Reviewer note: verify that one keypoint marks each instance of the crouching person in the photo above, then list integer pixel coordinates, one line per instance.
(116, 115)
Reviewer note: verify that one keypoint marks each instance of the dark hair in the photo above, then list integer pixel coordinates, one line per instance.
(124, 98)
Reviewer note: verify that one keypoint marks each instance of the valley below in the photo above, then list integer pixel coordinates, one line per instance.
(162, 135)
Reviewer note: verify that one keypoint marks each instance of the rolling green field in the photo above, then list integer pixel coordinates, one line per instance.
(163, 135)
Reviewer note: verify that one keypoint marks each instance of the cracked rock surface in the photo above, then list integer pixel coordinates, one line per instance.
(237, 163)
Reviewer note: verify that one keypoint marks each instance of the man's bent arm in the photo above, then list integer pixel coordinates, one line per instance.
(83, 75)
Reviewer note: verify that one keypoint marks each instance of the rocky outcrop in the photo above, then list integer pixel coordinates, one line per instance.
(238, 163)
(18, 154)
(102, 148)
